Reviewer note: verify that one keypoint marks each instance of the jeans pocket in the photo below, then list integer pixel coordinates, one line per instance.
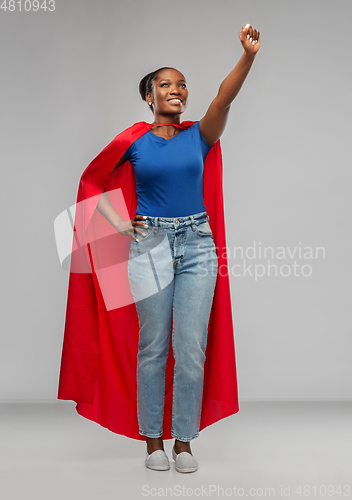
(204, 229)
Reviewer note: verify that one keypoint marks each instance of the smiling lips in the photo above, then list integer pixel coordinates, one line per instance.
(175, 101)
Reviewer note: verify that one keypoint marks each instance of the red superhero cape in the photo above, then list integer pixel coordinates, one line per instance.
(99, 354)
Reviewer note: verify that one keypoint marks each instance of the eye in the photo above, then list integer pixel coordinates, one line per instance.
(182, 84)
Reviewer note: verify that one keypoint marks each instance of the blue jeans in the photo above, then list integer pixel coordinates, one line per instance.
(172, 272)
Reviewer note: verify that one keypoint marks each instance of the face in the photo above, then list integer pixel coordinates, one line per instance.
(169, 84)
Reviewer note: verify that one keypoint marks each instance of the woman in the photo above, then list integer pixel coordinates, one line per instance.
(171, 211)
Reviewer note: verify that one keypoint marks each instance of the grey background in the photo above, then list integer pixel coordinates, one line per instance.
(69, 84)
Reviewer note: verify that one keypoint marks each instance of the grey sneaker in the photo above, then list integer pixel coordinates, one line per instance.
(157, 460)
(184, 461)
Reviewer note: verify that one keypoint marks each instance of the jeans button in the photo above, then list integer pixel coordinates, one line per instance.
(177, 221)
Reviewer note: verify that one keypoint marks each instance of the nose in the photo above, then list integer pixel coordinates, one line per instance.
(175, 91)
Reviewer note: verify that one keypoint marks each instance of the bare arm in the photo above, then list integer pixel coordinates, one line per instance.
(212, 125)
(126, 228)
(105, 207)
(107, 210)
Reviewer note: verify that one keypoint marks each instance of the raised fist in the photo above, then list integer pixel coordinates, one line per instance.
(250, 39)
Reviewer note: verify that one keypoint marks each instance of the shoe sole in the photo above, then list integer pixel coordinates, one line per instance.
(190, 469)
(158, 467)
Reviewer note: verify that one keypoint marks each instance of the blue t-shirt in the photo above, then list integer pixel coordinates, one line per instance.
(169, 172)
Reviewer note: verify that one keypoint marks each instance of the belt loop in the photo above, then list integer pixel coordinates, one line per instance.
(155, 224)
(193, 223)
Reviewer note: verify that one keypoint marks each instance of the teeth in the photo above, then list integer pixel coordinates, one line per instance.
(175, 100)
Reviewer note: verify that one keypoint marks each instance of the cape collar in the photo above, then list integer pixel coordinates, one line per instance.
(183, 125)
(166, 124)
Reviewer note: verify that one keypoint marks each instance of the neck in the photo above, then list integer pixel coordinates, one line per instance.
(160, 119)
